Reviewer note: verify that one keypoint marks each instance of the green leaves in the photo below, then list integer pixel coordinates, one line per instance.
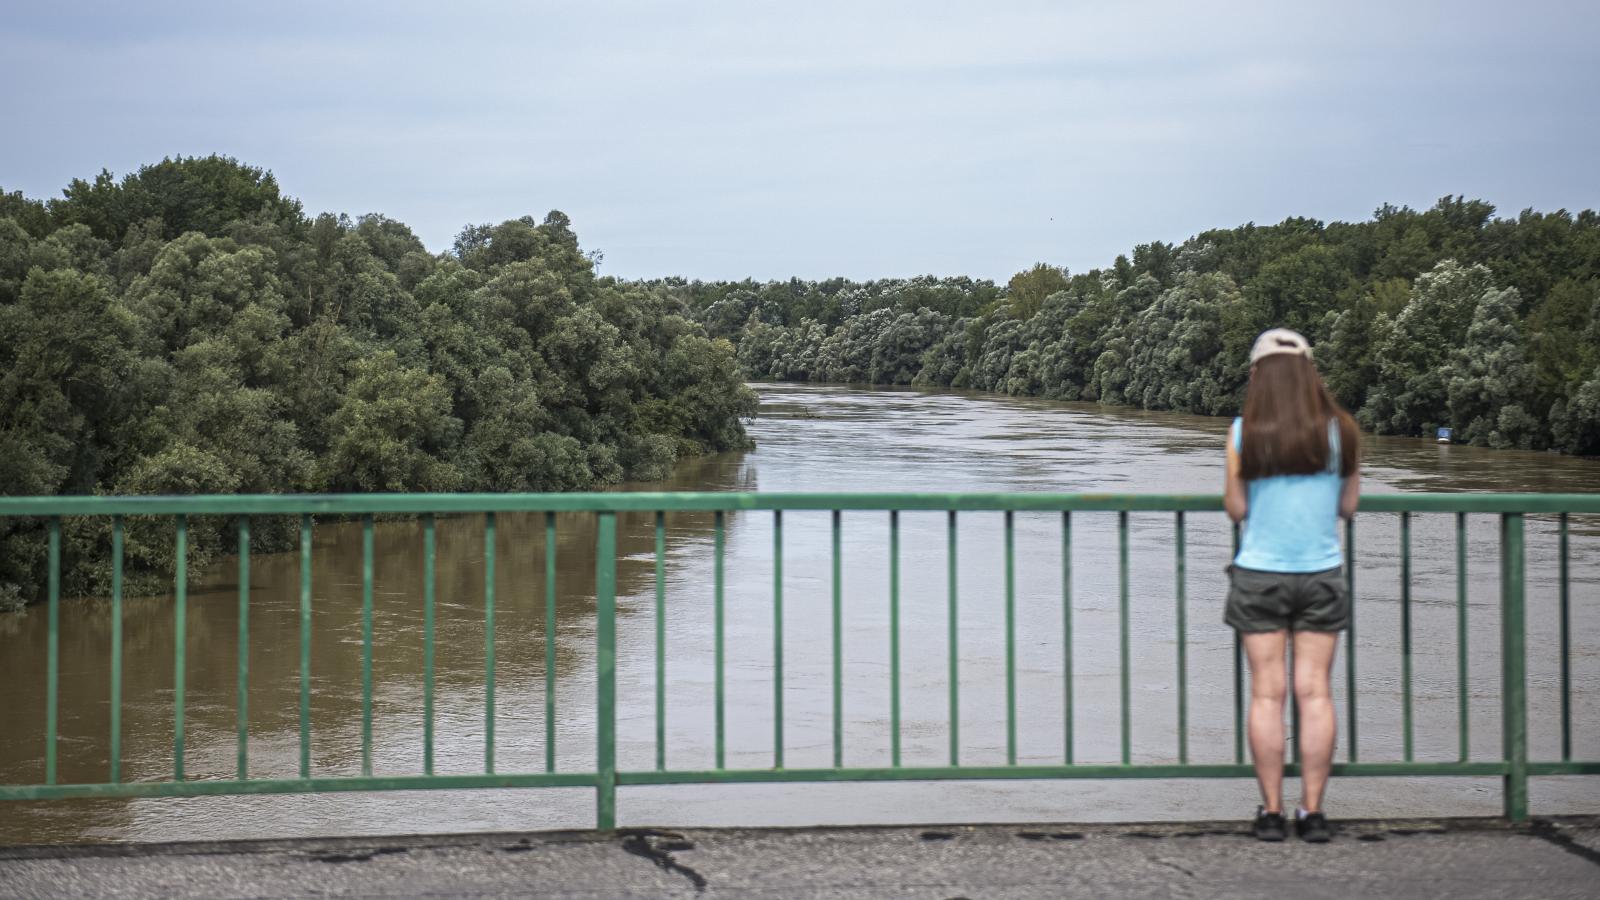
(1446, 316)
(204, 194)
(188, 330)
(391, 430)
(1027, 290)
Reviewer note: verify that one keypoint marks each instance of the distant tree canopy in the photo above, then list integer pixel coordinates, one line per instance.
(1447, 317)
(188, 329)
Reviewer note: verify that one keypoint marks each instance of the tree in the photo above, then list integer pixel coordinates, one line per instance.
(16, 248)
(391, 430)
(1345, 354)
(1027, 290)
(1489, 379)
(1559, 345)
(1002, 340)
(187, 329)
(204, 194)
(68, 379)
(1387, 302)
(1296, 290)
(1412, 394)
(1575, 419)
(1175, 361)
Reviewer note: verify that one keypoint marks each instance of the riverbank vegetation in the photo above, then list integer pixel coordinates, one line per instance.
(189, 329)
(1445, 317)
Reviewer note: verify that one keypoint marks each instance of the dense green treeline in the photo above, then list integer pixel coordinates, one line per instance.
(189, 329)
(1447, 317)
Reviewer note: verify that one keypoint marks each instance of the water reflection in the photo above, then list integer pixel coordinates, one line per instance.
(212, 643)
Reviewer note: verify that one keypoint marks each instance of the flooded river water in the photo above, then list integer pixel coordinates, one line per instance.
(813, 438)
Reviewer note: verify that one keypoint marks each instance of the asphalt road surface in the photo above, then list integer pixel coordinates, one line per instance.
(1459, 859)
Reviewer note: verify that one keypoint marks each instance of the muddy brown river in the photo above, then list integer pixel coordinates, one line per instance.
(813, 438)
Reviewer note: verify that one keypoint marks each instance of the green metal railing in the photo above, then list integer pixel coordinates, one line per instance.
(1513, 765)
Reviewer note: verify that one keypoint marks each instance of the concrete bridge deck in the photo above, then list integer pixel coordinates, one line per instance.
(1461, 859)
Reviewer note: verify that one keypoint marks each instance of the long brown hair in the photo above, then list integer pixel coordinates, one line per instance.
(1286, 413)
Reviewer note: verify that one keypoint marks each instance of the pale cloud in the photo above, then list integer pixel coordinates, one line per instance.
(734, 138)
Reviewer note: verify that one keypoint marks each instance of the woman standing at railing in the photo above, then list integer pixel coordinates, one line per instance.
(1293, 471)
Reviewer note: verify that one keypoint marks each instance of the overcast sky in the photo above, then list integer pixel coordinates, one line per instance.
(819, 138)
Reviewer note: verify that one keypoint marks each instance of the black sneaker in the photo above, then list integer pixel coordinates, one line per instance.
(1269, 826)
(1312, 827)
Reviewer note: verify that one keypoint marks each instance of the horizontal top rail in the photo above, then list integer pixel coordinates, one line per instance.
(353, 504)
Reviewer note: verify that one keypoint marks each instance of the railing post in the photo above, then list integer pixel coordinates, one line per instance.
(53, 663)
(1513, 667)
(605, 586)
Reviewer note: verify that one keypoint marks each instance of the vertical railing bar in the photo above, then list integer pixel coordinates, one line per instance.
(1566, 644)
(1066, 634)
(180, 642)
(1514, 667)
(549, 641)
(719, 540)
(606, 673)
(242, 705)
(1011, 641)
(116, 650)
(838, 645)
(488, 642)
(1294, 710)
(1122, 633)
(53, 653)
(955, 633)
(894, 638)
(1183, 645)
(1238, 676)
(428, 591)
(661, 640)
(1238, 699)
(777, 638)
(1462, 697)
(1350, 635)
(1405, 633)
(305, 645)
(366, 644)
(1294, 705)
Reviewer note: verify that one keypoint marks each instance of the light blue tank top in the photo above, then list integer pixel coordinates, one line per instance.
(1292, 524)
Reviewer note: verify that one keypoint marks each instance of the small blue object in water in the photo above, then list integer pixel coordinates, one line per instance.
(1444, 435)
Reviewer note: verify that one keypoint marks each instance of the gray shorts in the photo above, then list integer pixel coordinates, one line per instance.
(1299, 601)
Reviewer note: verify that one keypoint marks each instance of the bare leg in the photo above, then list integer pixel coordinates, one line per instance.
(1313, 660)
(1267, 676)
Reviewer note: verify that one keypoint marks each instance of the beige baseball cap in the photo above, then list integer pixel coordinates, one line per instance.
(1279, 340)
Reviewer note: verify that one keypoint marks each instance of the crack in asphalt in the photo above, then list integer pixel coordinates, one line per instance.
(639, 844)
(358, 856)
(1171, 865)
(1552, 832)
